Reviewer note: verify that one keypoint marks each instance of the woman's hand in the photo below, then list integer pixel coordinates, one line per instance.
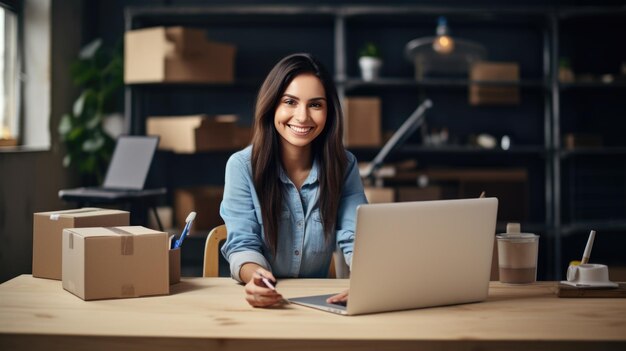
(339, 298)
(257, 293)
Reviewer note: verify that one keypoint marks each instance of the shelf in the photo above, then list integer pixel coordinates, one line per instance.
(223, 152)
(518, 150)
(546, 108)
(458, 149)
(276, 15)
(597, 225)
(596, 151)
(354, 83)
(251, 83)
(592, 85)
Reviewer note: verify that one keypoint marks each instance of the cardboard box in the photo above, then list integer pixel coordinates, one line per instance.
(217, 133)
(48, 230)
(413, 193)
(189, 134)
(490, 94)
(244, 137)
(176, 54)
(362, 122)
(573, 141)
(115, 262)
(205, 201)
(377, 195)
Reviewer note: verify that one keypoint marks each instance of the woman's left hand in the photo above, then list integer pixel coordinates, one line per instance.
(339, 298)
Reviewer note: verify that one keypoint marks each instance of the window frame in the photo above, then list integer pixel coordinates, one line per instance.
(15, 6)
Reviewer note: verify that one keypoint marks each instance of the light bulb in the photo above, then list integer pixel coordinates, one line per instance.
(443, 43)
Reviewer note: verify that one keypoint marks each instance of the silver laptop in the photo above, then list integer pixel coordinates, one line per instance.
(418, 254)
(127, 171)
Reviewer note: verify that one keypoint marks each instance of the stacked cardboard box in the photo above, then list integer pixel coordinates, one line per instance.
(115, 262)
(188, 134)
(376, 195)
(573, 141)
(481, 94)
(414, 193)
(362, 122)
(48, 230)
(176, 54)
(205, 201)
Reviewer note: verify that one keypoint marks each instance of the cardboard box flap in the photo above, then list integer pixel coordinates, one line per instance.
(81, 212)
(69, 213)
(112, 231)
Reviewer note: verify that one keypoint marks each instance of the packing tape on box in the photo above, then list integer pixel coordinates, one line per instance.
(55, 216)
(127, 240)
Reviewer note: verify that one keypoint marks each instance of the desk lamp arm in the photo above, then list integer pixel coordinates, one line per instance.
(399, 137)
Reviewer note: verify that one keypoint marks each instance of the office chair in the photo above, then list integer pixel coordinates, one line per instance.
(212, 253)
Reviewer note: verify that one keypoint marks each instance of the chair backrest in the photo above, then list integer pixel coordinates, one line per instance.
(212, 253)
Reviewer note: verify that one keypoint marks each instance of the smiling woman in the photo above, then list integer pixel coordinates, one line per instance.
(290, 199)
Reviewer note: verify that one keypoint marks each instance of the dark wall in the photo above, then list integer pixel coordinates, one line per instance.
(30, 180)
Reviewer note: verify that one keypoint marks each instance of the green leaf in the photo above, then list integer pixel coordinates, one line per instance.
(94, 122)
(79, 104)
(90, 50)
(370, 50)
(65, 125)
(75, 133)
(94, 144)
(87, 75)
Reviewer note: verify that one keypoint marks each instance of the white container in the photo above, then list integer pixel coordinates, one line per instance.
(370, 67)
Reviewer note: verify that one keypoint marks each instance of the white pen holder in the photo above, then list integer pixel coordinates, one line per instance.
(589, 275)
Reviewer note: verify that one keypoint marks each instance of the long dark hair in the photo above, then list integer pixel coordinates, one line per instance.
(327, 148)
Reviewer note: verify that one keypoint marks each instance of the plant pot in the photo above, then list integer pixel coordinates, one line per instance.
(370, 67)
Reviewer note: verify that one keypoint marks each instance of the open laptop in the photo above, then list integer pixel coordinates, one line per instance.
(418, 254)
(127, 171)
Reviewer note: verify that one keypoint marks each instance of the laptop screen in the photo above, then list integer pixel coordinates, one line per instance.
(130, 162)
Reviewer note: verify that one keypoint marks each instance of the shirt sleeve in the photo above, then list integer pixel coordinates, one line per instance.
(351, 197)
(244, 243)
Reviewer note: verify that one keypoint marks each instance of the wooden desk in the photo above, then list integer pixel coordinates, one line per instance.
(211, 314)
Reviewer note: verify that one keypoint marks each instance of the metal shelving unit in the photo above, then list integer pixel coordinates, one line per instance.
(339, 20)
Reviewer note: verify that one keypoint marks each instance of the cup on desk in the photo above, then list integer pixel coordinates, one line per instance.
(517, 257)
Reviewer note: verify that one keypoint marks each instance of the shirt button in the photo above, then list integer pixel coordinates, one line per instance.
(297, 252)
(299, 224)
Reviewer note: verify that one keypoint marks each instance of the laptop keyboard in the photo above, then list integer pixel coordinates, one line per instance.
(341, 303)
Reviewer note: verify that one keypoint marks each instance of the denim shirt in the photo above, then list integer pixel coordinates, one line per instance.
(302, 249)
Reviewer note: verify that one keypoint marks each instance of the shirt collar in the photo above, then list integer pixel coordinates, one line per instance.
(310, 179)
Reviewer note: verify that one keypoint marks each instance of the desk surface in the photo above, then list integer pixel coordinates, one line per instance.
(210, 313)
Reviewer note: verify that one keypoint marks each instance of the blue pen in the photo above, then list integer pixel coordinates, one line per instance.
(188, 222)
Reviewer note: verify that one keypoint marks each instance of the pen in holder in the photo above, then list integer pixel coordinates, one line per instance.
(183, 235)
(588, 275)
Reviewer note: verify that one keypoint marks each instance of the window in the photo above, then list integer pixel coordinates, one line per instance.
(9, 76)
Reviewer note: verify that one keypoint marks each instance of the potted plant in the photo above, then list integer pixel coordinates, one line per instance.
(99, 74)
(370, 62)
